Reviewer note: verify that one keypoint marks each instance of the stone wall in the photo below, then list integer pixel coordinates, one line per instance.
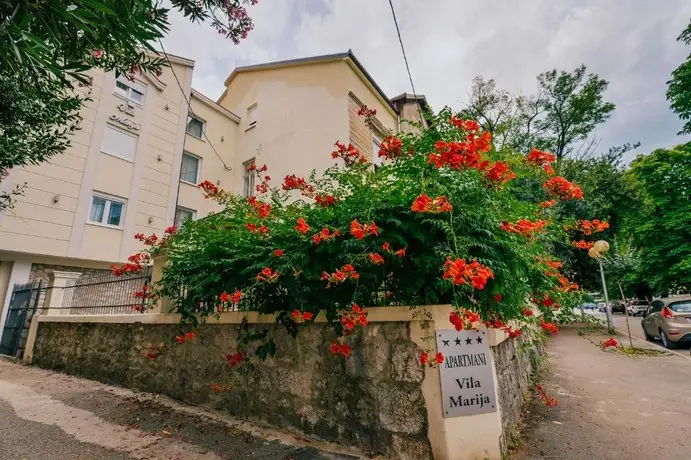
(374, 400)
(515, 362)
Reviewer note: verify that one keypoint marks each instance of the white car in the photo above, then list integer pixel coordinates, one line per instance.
(637, 307)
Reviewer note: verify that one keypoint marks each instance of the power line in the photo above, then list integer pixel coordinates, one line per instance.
(405, 59)
(189, 105)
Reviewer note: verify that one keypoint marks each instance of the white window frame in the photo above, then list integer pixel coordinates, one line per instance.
(109, 199)
(135, 86)
(199, 167)
(252, 116)
(183, 209)
(249, 178)
(376, 145)
(126, 133)
(191, 117)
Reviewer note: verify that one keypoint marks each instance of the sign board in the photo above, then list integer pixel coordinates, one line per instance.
(467, 383)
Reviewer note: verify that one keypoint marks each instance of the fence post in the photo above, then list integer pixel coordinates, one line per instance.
(164, 304)
(57, 282)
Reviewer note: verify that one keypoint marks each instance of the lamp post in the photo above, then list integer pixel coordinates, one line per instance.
(599, 248)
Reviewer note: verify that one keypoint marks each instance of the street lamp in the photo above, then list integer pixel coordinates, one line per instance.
(596, 252)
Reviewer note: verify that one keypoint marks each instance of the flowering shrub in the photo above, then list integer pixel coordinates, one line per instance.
(444, 220)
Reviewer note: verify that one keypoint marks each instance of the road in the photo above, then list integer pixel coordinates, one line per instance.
(611, 406)
(49, 416)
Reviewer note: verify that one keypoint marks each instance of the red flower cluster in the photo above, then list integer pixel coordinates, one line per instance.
(545, 301)
(553, 264)
(438, 359)
(550, 401)
(366, 112)
(548, 204)
(375, 258)
(234, 299)
(210, 189)
(549, 327)
(154, 351)
(391, 147)
(588, 227)
(302, 226)
(466, 319)
(267, 276)
(357, 316)
(262, 229)
(346, 272)
(186, 337)
(349, 154)
(262, 209)
(292, 182)
(582, 244)
(563, 189)
(325, 235)
(359, 230)
(466, 154)
(424, 203)
(170, 230)
(513, 333)
(611, 342)
(325, 200)
(499, 172)
(548, 169)
(527, 312)
(235, 359)
(278, 252)
(566, 285)
(473, 274)
(147, 240)
(540, 158)
(135, 264)
(300, 317)
(216, 388)
(145, 293)
(387, 248)
(524, 227)
(344, 349)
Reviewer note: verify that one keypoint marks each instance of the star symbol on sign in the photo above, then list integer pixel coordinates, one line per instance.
(457, 341)
(446, 342)
(479, 340)
(468, 340)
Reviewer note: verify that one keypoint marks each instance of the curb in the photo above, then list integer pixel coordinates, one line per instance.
(660, 347)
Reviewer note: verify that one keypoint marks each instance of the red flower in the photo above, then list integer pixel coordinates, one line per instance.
(302, 226)
(316, 238)
(251, 227)
(170, 230)
(439, 358)
(549, 327)
(224, 297)
(359, 230)
(267, 275)
(185, 337)
(262, 209)
(325, 235)
(588, 227)
(340, 349)
(527, 312)
(349, 154)
(424, 358)
(375, 258)
(548, 204)
(400, 252)
(466, 319)
(423, 203)
(611, 342)
(498, 298)
(293, 182)
(540, 158)
(548, 169)
(210, 190)
(390, 147)
(474, 273)
(339, 276)
(366, 112)
(278, 252)
(237, 295)
(263, 230)
(563, 189)
(234, 359)
(307, 316)
(386, 247)
(500, 172)
(582, 244)
(325, 201)
(524, 227)
(96, 53)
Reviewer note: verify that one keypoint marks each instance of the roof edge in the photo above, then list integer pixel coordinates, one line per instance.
(210, 103)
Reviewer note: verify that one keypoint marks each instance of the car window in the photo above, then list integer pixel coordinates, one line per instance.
(681, 307)
(656, 307)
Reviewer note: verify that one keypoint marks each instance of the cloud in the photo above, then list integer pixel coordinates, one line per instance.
(631, 43)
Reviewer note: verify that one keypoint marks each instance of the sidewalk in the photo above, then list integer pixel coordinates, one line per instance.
(49, 416)
(611, 406)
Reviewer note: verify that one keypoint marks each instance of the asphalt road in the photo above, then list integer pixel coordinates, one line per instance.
(611, 406)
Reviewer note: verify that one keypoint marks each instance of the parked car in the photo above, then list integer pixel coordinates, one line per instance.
(589, 306)
(617, 307)
(669, 320)
(638, 307)
(601, 307)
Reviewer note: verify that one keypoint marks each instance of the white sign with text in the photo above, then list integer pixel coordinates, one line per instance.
(467, 384)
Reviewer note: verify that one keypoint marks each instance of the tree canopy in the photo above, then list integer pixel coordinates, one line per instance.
(679, 87)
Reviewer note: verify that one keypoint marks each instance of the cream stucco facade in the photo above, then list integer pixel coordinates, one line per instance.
(146, 143)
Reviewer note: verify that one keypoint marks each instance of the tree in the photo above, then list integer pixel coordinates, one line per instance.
(47, 48)
(661, 226)
(679, 87)
(573, 106)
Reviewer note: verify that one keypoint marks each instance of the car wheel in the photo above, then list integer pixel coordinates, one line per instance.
(647, 336)
(666, 342)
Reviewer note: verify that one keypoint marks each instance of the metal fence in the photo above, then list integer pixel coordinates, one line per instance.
(105, 294)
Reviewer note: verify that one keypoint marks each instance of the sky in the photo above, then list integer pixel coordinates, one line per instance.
(631, 43)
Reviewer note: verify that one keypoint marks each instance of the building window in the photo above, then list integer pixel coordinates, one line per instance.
(106, 211)
(251, 116)
(195, 126)
(183, 214)
(248, 179)
(376, 145)
(189, 170)
(119, 143)
(131, 90)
